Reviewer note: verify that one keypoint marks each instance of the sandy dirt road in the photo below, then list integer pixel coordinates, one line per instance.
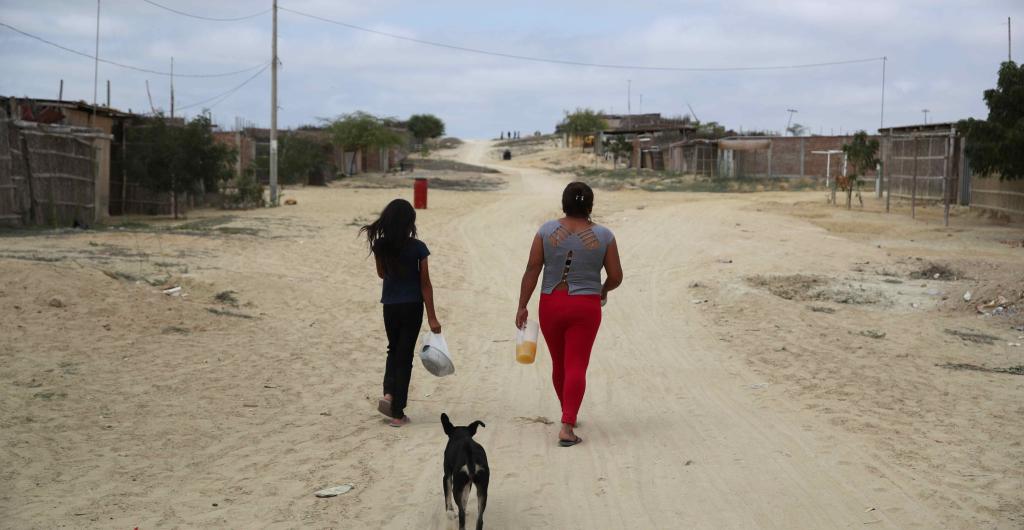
(124, 407)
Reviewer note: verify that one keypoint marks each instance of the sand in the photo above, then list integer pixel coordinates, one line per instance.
(769, 362)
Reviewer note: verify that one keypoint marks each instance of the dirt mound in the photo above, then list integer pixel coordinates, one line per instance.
(937, 271)
(804, 288)
(449, 143)
(437, 164)
(442, 180)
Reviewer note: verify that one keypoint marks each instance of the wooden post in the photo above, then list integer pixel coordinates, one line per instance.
(913, 185)
(637, 154)
(946, 167)
(879, 176)
(888, 178)
(27, 157)
(124, 168)
(964, 174)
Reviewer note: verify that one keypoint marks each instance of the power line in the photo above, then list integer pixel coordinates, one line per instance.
(579, 63)
(127, 66)
(201, 17)
(224, 95)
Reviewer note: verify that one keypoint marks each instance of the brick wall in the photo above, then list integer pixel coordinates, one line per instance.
(794, 157)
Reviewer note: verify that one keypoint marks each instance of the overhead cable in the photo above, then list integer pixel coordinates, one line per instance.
(201, 17)
(128, 66)
(224, 95)
(579, 63)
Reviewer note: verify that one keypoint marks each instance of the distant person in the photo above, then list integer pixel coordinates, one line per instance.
(502, 135)
(571, 251)
(401, 261)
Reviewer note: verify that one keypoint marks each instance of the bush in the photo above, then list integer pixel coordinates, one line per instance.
(245, 192)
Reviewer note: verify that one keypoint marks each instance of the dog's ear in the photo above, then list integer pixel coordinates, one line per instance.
(472, 427)
(446, 423)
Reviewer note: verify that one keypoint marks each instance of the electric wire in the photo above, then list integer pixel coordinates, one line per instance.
(224, 95)
(579, 63)
(213, 19)
(128, 66)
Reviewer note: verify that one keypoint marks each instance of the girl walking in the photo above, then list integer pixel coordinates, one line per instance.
(401, 261)
(571, 252)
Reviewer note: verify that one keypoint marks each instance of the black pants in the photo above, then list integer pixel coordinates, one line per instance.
(402, 323)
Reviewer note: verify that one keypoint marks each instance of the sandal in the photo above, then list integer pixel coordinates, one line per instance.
(399, 422)
(384, 407)
(569, 443)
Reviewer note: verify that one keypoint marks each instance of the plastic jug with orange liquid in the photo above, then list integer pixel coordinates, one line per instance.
(526, 342)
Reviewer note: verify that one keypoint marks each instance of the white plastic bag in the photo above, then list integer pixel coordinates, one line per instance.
(435, 356)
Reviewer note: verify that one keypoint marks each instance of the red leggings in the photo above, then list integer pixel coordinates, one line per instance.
(569, 324)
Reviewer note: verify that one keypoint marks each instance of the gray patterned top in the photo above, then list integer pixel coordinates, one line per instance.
(576, 258)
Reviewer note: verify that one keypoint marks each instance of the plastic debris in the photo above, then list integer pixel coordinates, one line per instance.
(334, 491)
(967, 296)
(173, 291)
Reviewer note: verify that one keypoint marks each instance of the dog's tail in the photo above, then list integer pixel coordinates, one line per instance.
(470, 464)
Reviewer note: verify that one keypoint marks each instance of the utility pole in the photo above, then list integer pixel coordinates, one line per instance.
(96, 67)
(790, 120)
(273, 114)
(925, 111)
(881, 119)
(641, 103)
(1009, 40)
(172, 88)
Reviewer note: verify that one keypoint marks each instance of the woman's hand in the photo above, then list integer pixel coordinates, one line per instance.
(435, 326)
(521, 317)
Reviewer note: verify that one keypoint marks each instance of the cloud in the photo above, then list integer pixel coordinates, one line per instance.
(941, 56)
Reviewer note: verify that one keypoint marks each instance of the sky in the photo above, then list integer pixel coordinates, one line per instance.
(941, 56)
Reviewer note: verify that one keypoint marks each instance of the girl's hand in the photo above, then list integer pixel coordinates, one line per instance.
(521, 317)
(435, 326)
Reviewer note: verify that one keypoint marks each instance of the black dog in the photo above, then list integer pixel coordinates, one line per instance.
(465, 465)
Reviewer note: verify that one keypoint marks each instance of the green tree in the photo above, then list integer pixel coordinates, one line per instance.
(423, 126)
(620, 148)
(583, 121)
(299, 157)
(174, 159)
(362, 130)
(711, 130)
(862, 154)
(996, 145)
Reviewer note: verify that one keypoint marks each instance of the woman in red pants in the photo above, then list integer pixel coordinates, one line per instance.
(571, 252)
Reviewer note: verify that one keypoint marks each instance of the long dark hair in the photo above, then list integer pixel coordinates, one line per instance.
(386, 236)
(578, 200)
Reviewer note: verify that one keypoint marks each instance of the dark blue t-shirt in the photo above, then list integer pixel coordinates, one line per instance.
(402, 286)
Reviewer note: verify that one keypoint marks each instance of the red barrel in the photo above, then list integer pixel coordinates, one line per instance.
(419, 196)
